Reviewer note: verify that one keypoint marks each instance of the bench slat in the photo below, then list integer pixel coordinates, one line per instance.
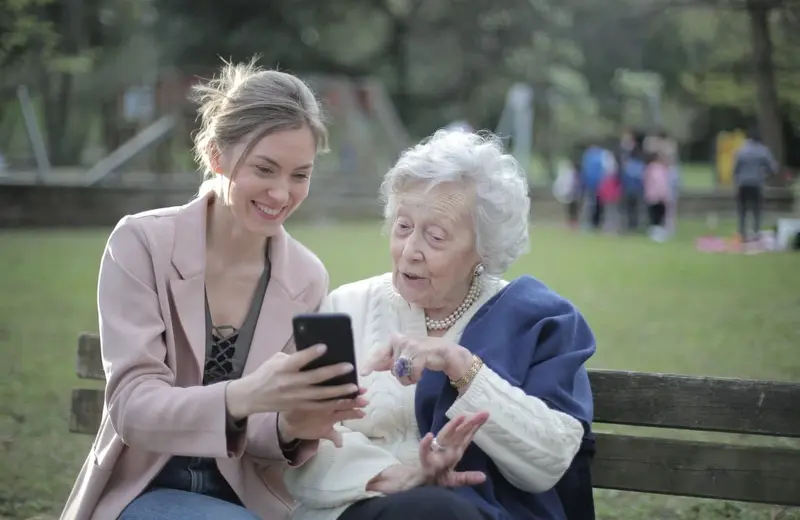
(697, 403)
(697, 469)
(90, 361)
(643, 399)
(87, 410)
(643, 464)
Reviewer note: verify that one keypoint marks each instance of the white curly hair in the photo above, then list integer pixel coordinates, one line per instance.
(476, 160)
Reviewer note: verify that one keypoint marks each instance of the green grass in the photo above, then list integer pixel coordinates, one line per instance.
(654, 307)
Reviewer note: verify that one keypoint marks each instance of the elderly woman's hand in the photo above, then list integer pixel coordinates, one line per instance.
(438, 457)
(407, 357)
(440, 454)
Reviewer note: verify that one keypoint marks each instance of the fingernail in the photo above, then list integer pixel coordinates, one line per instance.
(347, 368)
(322, 348)
(352, 388)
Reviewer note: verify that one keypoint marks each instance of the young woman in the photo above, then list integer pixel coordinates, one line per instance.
(206, 402)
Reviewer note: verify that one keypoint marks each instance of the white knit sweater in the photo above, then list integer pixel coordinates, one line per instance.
(531, 444)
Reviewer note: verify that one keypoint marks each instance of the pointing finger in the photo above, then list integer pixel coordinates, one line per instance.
(379, 361)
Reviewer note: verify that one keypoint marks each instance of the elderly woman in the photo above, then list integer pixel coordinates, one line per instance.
(441, 340)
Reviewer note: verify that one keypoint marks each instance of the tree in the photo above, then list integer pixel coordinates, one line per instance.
(763, 50)
(24, 31)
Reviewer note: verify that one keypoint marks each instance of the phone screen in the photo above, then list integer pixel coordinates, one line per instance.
(334, 330)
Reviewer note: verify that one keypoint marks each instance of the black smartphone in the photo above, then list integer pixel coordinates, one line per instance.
(334, 330)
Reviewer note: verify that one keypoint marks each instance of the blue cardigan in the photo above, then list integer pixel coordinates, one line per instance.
(538, 341)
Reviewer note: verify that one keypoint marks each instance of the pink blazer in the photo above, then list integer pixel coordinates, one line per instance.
(152, 332)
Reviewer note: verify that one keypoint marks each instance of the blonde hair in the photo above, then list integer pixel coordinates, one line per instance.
(245, 101)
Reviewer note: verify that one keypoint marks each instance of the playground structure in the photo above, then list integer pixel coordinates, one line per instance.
(366, 132)
(149, 163)
(366, 136)
(516, 121)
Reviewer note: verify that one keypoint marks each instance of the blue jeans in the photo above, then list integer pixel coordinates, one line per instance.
(171, 504)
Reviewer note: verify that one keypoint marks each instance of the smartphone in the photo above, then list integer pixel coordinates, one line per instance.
(334, 330)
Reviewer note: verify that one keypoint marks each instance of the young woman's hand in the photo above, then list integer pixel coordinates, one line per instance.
(319, 424)
(280, 385)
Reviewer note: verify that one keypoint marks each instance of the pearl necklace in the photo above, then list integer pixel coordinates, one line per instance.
(469, 299)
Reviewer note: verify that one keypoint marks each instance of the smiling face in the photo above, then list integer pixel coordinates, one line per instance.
(433, 247)
(270, 182)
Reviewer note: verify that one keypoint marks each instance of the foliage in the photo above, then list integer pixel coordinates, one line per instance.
(23, 31)
(440, 59)
(718, 59)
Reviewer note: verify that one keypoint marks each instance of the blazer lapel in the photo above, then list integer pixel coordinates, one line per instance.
(274, 328)
(281, 300)
(188, 292)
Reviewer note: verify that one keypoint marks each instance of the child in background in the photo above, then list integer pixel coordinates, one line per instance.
(567, 190)
(633, 187)
(592, 173)
(610, 193)
(657, 195)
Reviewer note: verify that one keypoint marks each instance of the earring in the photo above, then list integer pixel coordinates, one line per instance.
(479, 269)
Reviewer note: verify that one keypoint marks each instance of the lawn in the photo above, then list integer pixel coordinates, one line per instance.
(656, 307)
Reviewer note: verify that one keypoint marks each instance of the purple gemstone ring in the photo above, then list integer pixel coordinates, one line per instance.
(402, 366)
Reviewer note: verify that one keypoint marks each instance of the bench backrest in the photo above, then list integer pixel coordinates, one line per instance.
(641, 462)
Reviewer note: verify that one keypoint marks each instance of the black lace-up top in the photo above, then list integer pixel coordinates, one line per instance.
(226, 353)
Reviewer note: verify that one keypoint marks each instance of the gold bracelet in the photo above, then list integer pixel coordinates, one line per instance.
(476, 365)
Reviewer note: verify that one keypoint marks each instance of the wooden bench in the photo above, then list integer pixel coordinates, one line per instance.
(678, 467)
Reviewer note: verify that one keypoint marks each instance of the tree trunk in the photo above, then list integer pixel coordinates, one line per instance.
(8, 124)
(545, 133)
(400, 60)
(59, 95)
(399, 48)
(769, 117)
(57, 117)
